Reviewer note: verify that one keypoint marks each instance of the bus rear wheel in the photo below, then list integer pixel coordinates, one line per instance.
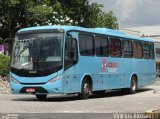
(133, 85)
(85, 89)
(41, 97)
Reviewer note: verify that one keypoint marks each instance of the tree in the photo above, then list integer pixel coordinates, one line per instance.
(91, 17)
(17, 14)
(7, 18)
(98, 18)
(107, 20)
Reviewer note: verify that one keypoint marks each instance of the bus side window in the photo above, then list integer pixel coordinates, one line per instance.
(101, 44)
(115, 47)
(127, 48)
(152, 56)
(146, 52)
(71, 55)
(137, 49)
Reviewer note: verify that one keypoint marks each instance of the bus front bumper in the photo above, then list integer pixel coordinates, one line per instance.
(47, 88)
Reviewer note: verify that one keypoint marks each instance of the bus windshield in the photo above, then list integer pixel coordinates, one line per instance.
(38, 51)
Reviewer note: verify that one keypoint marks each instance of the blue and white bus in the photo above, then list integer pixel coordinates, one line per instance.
(74, 60)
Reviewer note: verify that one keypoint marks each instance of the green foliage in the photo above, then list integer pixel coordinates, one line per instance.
(17, 14)
(98, 18)
(4, 65)
(92, 16)
(107, 20)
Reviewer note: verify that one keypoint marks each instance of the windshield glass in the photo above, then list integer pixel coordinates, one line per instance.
(39, 51)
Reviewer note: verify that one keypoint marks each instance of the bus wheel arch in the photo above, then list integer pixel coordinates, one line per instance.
(86, 87)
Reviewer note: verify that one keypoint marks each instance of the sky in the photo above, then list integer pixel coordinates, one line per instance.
(133, 13)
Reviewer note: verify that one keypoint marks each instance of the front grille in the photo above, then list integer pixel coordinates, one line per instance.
(32, 83)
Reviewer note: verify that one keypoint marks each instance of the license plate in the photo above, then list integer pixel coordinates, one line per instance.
(30, 90)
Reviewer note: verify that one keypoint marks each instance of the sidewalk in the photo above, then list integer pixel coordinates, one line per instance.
(4, 87)
(157, 86)
(153, 111)
(158, 79)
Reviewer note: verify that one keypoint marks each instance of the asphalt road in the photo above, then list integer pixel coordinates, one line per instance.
(146, 99)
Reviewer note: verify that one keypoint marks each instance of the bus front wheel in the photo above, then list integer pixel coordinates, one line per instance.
(85, 89)
(41, 97)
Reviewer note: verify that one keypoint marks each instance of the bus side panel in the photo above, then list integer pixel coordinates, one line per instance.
(148, 72)
(101, 79)
(85, 66)
(72, 79)
(91, 65)
(127, 70)
(117, 74)
(145, 71)
(112, 77)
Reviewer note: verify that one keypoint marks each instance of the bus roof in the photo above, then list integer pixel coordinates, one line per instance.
(103, 31)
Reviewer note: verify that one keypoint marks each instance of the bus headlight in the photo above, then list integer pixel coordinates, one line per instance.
(13, 80)
(55, 79)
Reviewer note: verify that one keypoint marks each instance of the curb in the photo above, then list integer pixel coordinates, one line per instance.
(157, 91)
(152, 111)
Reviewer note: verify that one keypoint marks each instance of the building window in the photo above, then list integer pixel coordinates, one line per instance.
(146, 51)
(137, 49)
(86, 44)
(158, 52)
(115, 47)
(127, 49)
(101, 44)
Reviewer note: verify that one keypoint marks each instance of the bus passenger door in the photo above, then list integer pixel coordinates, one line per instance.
(71, 79)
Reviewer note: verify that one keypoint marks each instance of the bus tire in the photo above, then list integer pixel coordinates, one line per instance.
(133, 85)
(41, 97)
(85, 89)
